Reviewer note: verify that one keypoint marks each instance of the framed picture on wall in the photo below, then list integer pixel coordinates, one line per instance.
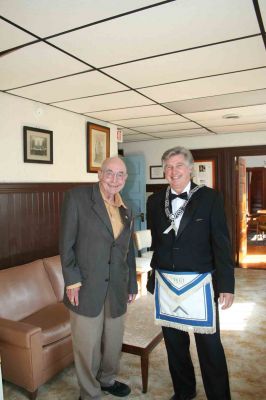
(38, 145)
(156, 172)
(98, 146)
(204, 173)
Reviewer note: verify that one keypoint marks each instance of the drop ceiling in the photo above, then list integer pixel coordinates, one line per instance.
(157, 69)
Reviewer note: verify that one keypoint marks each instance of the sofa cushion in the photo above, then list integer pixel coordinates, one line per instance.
(24, 290)
(54, 322)
(53, 268)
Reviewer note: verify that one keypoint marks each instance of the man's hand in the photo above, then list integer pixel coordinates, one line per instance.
(131, 298)
(226, 300)
(73, 296)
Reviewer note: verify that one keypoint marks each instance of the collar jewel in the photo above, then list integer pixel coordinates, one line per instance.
(173, 216)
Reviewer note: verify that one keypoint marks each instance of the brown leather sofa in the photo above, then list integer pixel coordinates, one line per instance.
(35, 340)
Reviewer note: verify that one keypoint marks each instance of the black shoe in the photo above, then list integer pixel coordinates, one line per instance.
(118, 389)
(184, 396)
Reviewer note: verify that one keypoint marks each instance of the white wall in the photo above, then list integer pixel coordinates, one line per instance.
(153, 149)
(255, 161)
(69, 142)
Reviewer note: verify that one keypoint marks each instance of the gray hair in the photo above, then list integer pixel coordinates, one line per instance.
(176, 151)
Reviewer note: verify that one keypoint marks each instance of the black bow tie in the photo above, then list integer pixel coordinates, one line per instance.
(173, 196)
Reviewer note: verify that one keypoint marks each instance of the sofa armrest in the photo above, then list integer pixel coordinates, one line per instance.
(18, 333)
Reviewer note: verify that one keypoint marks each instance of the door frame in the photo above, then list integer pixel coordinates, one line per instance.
(233, 187)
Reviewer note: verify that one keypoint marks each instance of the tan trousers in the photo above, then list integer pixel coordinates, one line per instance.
(97, 346)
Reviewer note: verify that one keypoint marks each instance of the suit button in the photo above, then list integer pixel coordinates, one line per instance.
(106, 280)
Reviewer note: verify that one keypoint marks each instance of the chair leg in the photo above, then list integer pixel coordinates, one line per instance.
(33, 395)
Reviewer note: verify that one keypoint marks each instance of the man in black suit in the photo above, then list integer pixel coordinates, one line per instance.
(99, 269)
(189, 235)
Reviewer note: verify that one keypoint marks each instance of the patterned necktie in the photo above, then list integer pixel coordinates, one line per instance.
(183, 196)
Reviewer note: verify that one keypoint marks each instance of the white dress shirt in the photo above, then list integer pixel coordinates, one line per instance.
(177, 203)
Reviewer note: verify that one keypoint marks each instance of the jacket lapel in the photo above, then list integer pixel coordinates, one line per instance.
(99, 208)
(189, 211)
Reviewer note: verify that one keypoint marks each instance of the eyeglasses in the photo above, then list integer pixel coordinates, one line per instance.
(111, 175)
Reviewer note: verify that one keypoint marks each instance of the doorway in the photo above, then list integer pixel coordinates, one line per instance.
(251, 219)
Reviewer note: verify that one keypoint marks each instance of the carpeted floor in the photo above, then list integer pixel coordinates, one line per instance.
(243, 333)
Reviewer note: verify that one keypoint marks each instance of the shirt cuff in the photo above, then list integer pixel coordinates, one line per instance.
(75, 285)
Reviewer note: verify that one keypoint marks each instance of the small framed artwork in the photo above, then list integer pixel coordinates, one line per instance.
(98, 146)
(156, 172)
(38, 145)
(204, 173)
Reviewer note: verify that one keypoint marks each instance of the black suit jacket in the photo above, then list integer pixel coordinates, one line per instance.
(202, 243)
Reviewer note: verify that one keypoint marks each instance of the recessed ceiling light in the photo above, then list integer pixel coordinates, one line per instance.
(230, 116)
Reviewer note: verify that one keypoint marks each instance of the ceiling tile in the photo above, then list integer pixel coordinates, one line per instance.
(240, 128)
(64, 14)
(12, 37)
(171, 68)
(127, 131)
(184, 132)
(85, 84)
(166, 127)
(131, 112)
(217, 102)
(262, 5)
(146, 121)
(136, 138)
(238, 82)
(104, 102)
(35, 63)
(132, 37)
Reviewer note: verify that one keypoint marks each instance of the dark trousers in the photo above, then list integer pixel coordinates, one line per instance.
(212, 363)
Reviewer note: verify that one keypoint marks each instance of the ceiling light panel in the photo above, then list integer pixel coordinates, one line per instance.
(146, 121)
(249, 114)
(131, 112)
(166, 127)
(35, 63)
(64, 14)
(252, 97)
(81, 85)
(192, 64)
(240, 128)
(132, 37)
(217, 85)
(105, 102)
(12, 37)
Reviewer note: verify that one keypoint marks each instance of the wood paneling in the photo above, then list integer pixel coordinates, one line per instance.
(29, 220)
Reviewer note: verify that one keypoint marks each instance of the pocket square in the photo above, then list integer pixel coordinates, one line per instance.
(199, 220)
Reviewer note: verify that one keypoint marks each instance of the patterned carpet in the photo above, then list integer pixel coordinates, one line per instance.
(244, 337)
